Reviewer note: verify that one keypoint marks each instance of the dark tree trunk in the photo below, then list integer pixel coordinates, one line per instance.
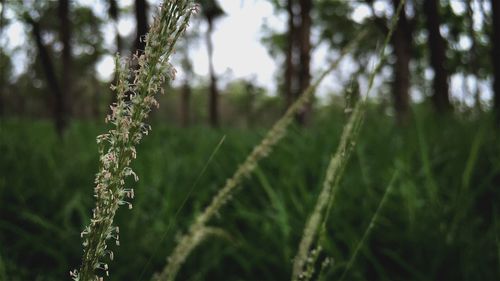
(214, 94)
(96, 112)
(401, 42)
(495, 5)
(473, 66)
(437, 50)
(304, 72)
(2, 76)
(185, 98)
(297, 76)
(251, 92)
(59, 111)
(66, 71)
(185, 102)
(141, 17)
(288, 94)
(114, 14)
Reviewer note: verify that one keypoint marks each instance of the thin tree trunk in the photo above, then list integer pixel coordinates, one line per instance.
(2, 75)
(305, 57)
(214, 95)
(114, 13)
(141, 17)
(251, 92)
(495, 5)
(437, 49)
(185, 102)
(289, 65)
(59, 111)
(401, 42)
(96, 112)
(66, 71)
(473, 67)
(185, 98)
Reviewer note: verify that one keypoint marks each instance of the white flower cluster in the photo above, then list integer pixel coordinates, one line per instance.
(117, 147)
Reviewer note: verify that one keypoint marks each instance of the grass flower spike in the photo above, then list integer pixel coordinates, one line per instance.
(336, 168)
(117, 147)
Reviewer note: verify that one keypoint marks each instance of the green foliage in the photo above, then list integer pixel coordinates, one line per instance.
(45, 195)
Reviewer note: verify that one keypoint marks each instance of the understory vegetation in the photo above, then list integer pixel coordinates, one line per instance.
(440, 220)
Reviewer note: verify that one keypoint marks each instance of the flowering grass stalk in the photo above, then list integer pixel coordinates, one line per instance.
(117, 147)
(336, 167)
(197, 231)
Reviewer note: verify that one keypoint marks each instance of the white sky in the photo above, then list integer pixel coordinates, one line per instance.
(238, 52)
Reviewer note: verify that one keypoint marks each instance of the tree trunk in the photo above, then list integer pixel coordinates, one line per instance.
(473, 66)
(289, 64)
(401, 42)
(185, 98)
(2, 86)
(66, 70)
(2, 76)
(185, 102)
(437, 50)
(304, 72)
(214, 95)
(59, 111)
(495, 5)
(141, 17)
(114, 13)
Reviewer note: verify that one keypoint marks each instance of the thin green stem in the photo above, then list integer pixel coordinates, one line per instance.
(371, 225)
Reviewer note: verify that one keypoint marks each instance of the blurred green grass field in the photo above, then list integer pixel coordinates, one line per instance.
(441, 222)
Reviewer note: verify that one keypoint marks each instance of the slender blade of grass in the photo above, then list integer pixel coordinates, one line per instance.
(190, 192)
(371, 225)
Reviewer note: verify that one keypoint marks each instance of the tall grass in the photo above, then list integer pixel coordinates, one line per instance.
(198, 230)
(38, 214)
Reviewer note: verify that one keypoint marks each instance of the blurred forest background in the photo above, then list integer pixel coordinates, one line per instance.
(443, 53)
(434, 114)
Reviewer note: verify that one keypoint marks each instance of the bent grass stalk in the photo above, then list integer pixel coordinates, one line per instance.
(337, 165)
(197, 231)
(117, 147)
(371, 225)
